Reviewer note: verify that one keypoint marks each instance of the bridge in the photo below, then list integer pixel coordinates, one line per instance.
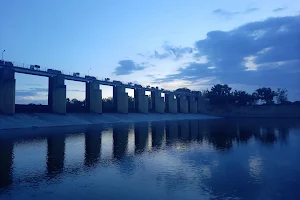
(174, 102)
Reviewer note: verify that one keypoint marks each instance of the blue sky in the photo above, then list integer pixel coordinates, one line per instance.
(171, 44)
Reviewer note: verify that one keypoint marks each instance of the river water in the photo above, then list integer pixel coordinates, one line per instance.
(207, 159)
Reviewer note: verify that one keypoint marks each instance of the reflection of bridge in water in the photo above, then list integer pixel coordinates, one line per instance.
(147, 137)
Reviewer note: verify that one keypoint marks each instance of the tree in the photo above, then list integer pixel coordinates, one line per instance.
(242, 98)
(76, 102)
(219, 94)
(282, 96)
(183, 90)
(266, 95)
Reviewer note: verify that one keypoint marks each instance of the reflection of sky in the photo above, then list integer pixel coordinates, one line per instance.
(255, 167)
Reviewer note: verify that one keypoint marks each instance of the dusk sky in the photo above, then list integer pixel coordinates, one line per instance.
(171, 44)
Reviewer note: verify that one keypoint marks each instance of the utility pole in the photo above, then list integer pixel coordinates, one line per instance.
(2, 54)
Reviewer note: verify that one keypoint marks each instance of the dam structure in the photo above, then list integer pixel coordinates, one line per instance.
(173, 102)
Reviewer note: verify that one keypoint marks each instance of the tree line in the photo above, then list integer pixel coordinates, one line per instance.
(224, 95)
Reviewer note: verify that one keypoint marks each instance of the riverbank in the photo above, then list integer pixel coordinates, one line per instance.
(71, 119)
(256, 111)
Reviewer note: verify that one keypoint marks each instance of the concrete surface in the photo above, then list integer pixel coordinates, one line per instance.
(71, 119)
(171, 103)
(182, 104)
(141, 101)
(193, 107)
(120, 98)
(57, 94)
(7, 91)
(158, 103)
(93, 97)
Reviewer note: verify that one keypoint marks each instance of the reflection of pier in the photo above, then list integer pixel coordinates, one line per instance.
(171, 132)
(92, 147)
(194, 130)
(158, 131)
(55, 154)
(141, 137)
(184, 130)
(167, 133)
(6, 161)
(120, 137)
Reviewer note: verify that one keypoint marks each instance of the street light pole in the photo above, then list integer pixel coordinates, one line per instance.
(2, 54)
(89, 71)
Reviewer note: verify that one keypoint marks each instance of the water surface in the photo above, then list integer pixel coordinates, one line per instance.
(206, 159)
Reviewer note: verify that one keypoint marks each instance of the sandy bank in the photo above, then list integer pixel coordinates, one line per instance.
(71, 119)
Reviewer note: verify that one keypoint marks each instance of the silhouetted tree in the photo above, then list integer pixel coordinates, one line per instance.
(282, 96)
(219, 94)
(108, 105)
(183, 90)
(131, 106)
(242, 98)
(266, 95)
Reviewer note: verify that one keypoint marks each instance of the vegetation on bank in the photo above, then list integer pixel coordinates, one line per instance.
(224, 95)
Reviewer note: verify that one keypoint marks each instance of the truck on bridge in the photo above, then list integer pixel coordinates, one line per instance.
(53, 71)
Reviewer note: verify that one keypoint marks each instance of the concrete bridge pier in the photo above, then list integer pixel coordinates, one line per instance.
(201, 104)
(7, 91)
(158, 103)
(57, 94)
(182, 104)
(120, 98)
(93, 97)
(141, 101)
(171, 103)
(193, 108)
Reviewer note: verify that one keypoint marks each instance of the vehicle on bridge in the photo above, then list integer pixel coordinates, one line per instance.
(7, 63)
(107, 79)
(35, 67)
(138, 85)
(76, 74)
(117, 82)
(91, 77)
(53, 71)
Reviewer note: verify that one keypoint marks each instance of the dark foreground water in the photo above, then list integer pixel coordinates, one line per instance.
(215, 159)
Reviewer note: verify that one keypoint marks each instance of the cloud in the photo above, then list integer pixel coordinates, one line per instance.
(75, 90)
(224, 13)
(170, 51)
(32, 95)
(127, 67)
(262, 53)
(250, 10)
(32, 92)
(228, 14)
(279, 9)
